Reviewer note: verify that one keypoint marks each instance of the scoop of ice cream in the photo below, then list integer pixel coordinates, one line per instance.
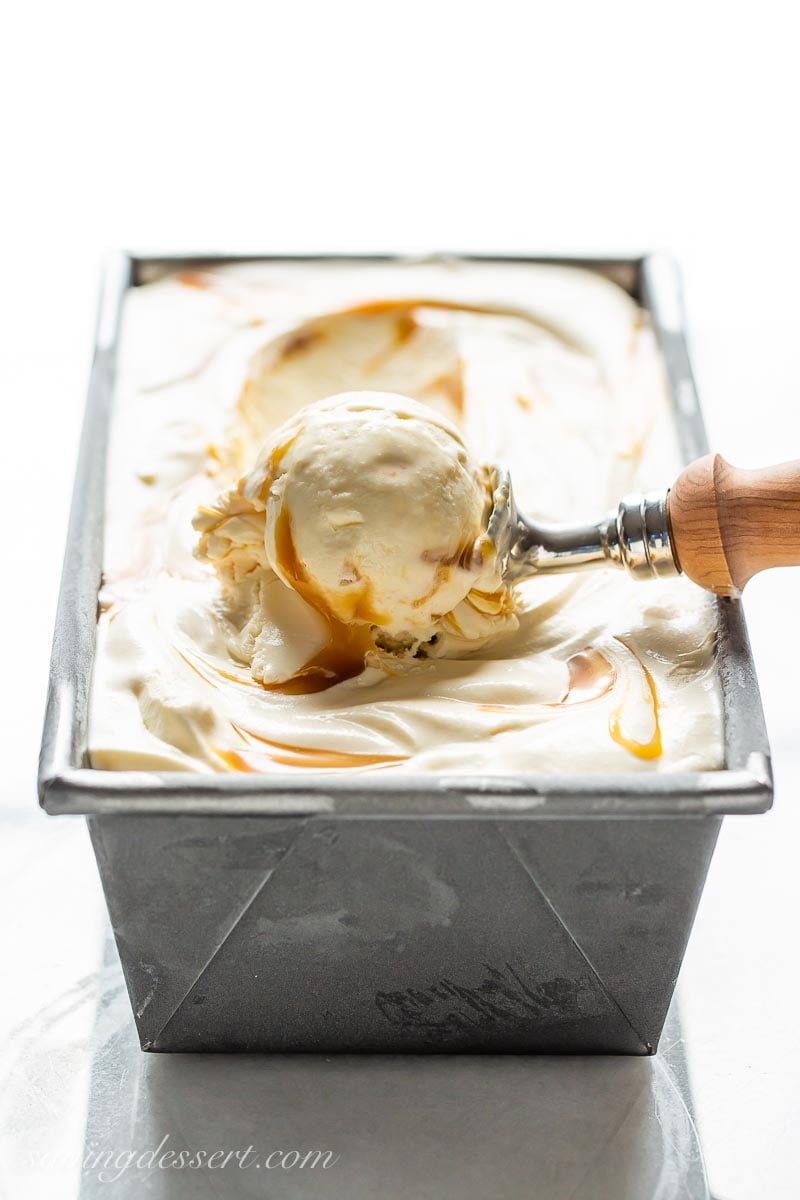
(376, 513)
(369, 506)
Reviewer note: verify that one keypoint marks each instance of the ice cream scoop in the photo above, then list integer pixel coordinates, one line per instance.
(369, 507)
(717, 524)
(376, 513)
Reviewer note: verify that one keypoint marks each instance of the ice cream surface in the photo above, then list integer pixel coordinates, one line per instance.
(296, 570)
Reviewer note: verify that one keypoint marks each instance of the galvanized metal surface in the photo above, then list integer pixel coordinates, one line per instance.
(261, 933)
(77, 1096)
(416, 914)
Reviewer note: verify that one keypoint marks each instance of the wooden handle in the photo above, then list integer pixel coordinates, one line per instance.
(727, 524)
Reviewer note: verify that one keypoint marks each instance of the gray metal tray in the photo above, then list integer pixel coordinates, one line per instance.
(519, 913)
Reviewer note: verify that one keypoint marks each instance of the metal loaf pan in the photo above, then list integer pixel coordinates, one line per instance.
(521, 913)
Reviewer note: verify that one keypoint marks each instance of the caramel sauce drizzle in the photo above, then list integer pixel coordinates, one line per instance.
(254, 761)
(451, 385)
(441, 575)
(360, 604)
(273, 465)
(242, 679)
(405, 327)
(646, 750)
(591, 676)
(348, 644)
(201, 280)
(320, 760)
(298, 342)
(380, 307)
(463, 556)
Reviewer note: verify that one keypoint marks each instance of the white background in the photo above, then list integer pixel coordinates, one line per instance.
(599, 128)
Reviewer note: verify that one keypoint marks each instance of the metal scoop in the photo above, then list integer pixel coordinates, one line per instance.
(717, 524)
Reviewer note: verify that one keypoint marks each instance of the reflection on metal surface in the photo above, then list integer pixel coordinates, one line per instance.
(590, 1128)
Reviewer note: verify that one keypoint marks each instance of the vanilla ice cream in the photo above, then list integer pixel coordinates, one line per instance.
(394, 647)
(370, 507)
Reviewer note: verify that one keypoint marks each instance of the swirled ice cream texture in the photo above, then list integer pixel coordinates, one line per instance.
(370, 508)
(219, 666)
